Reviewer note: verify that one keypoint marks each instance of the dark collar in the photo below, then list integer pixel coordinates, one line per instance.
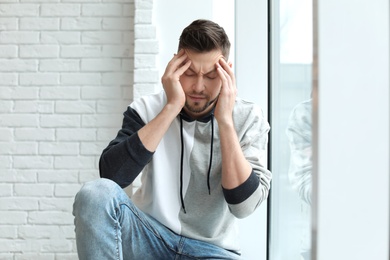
(206, 118)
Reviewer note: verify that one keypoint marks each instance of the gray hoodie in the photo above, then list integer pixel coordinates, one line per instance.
(181, 181)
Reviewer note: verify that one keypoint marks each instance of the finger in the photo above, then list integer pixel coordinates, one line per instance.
(175, 62)
(224, 76)
(183, 68)
(227, 67)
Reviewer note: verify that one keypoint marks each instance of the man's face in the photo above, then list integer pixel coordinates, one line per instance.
(201, 83)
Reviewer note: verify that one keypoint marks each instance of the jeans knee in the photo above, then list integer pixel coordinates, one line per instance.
(95, 195)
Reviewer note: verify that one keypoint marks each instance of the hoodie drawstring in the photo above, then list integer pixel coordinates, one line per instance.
(182, 158)
(181, 165)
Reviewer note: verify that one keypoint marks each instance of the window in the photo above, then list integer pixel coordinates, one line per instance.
(290, 118)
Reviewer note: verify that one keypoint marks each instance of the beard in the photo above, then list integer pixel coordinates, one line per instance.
(198, 108)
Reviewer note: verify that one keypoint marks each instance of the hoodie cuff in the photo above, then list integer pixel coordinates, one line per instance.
(243, 191)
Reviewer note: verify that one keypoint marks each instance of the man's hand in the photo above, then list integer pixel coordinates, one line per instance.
(227, 97)
(170, 80)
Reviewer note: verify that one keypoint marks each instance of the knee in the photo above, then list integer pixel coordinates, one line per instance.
(96, 194)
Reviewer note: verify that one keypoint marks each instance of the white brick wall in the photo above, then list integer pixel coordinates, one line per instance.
(68, 70)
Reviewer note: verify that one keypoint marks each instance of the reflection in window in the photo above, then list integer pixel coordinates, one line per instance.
(290, 117)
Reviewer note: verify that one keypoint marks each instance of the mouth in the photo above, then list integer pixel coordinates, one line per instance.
(196, 98)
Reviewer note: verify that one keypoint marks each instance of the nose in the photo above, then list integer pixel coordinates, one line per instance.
(198, 84)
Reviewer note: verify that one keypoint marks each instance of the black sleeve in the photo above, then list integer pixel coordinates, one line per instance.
(125, 156)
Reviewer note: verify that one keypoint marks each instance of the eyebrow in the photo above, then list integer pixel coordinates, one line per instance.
(211, 71)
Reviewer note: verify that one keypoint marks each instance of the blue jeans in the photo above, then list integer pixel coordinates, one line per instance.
(109, 226)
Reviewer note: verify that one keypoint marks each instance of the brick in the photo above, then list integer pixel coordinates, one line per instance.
(61, 93)
(20, 176)
(88, 175)
(127, 64)
(67, 231)
(146, 47)
(60, 120)
(56, 204)
(76, 107)
(34, 190)
(100, 37)
(141, 89)
(58, 176)
(58, 148)
(56, 245)
(39, 51)
(18, 65)
(144, 4)
(143, 16)
(127, 90)
(128, 38)
(18, 120)
(14, 93)
(117, 51)
(18, 148)
(75, 162)
(101, 93)
(62, 65)
(13, 217)
(27, 106)
(60, 37)
(6, 106)
(118, 24)
(144, 61)
(36, 162)
(101, 10)
(35, 256)
(67, 256)
(146, 76)
(92, 148)
(76, 134)
(112, 106)
(40, 232)
(6, 134)
(8, 51)
(128, 10)
(14, 203)
(58, 10)
(117, 78)
(20, 10)
(80, 24)
(8, 24)
(100, 65)
(80, 51)
(38, 79)
(10, 232)
(142, 31)
(34, 134)
(5, 190)
(50, 217)
(19, 37)
(29, 23)
(8, 79)
(107, 134)
(80, 79)
(102, 120)
(66, 190)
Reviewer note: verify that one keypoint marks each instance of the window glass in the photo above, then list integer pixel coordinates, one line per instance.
(290, 117)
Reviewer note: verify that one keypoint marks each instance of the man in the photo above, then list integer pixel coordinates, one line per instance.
(199, 148)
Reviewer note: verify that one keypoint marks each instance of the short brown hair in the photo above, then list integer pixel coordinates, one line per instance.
(204, 36)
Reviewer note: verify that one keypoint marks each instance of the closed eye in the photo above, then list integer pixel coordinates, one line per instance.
(211, 75)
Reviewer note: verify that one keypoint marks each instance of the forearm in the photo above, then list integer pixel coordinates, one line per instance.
(235, 168)
(152, 133)
(123, 160)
